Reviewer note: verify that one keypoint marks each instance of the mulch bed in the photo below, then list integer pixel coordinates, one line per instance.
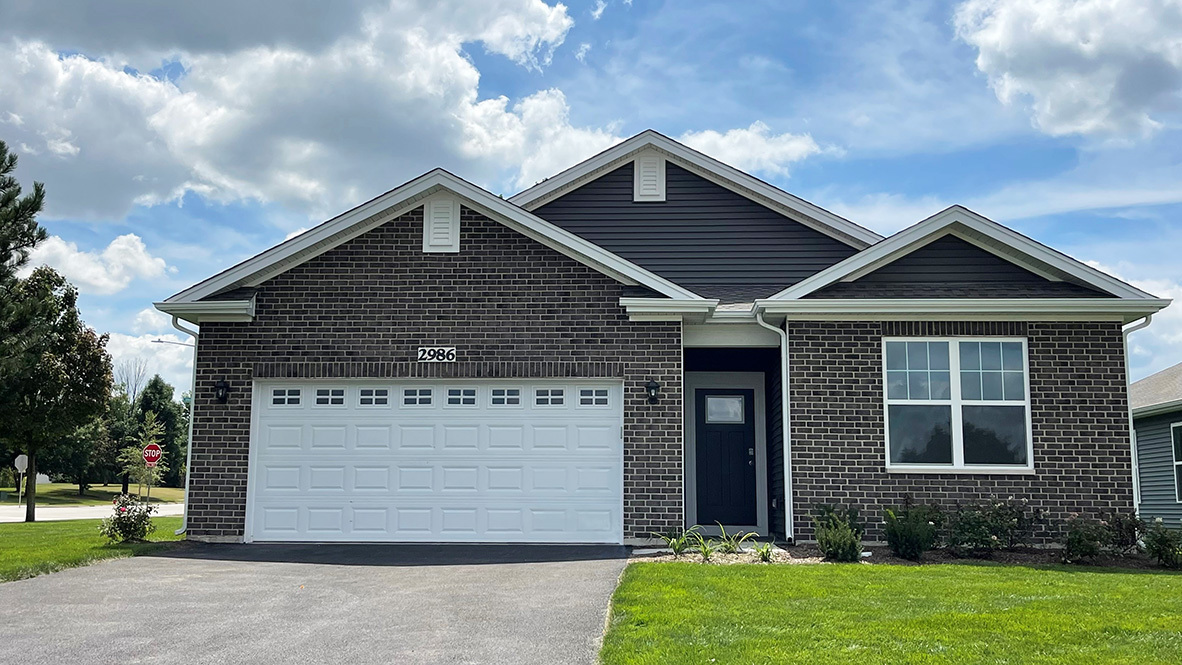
(809, 554)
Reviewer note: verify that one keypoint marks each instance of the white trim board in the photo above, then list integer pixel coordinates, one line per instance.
(978, 230)
(790, 206)
(950, 309)
(405, 198)
(734, 381)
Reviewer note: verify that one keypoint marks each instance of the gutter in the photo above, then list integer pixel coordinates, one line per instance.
(192, 410)
(789, 515)
(1132, 430)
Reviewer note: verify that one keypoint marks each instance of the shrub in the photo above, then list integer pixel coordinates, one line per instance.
(732, 543)
(132, 521)
(839, 536)
(764, 551)
(849, 515)
(1011, 521)
(679, 542)
(8, 477)
(1125, 532)
(1164, 544)
(913, 530)
(983, 528)
(1084, 538)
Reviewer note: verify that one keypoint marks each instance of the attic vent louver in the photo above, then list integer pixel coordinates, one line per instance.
(649, 178)
(441, 225)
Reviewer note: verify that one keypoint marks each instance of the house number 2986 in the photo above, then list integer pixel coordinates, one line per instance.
(437, 354)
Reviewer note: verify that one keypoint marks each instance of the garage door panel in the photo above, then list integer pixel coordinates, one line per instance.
(430, 472)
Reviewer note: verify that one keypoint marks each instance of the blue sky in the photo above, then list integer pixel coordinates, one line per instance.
(175, 141)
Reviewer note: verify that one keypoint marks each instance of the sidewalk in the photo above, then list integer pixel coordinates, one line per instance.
(57, 513)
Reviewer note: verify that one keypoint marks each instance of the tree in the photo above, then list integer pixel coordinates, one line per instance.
(131, 457)
(130, 373)
(157, 398)
(76, 457)
(19, 234)
(61, 377)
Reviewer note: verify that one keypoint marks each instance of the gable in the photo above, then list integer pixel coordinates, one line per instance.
(950, 267)
(703, 236)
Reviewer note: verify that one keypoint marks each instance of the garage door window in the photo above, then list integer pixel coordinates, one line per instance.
(593, 397)
(505, 397)
(374, 397)
(549, 397)
(285, 397)
(330, 397)
(416, 397)
(461, 397)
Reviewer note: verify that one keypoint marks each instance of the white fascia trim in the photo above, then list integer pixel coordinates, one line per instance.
(727, 176)
(209, 310)
(1021, 309)
(1157, 409)
(938, 225)
(667, 309)
(405, 198)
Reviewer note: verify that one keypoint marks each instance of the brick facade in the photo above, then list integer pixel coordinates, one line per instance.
(512, 306)
(1078, 408)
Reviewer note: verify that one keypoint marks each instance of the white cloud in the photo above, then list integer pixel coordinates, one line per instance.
(581, 53)
(597, 13)
(106, 272)
(314, 128)
(173, 362)
(151, 319)
(1159, 346)
(754, 148)
(1085, 66)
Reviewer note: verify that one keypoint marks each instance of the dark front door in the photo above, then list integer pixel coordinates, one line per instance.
(725, 455)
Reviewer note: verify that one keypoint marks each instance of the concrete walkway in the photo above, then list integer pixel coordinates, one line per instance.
(58, 513)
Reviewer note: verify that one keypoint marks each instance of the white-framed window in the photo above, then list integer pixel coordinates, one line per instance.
(957, 403)
(461, 397)
(285, 397)
(549, 397)
(504, 397)
(416, 397)
(330, 397)
(373, 397)
(594, 397)
(1176, 445)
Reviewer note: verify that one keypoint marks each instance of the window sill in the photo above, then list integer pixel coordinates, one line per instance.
(962, 470)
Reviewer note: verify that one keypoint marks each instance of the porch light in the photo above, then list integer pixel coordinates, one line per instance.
(653, 389)
(221, 391)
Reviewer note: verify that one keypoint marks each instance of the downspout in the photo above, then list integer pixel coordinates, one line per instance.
(789, 515)
(1132, 431)
(192, 410)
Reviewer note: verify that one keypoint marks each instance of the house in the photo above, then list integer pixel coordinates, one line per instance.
(646, 340)
(1157, 424)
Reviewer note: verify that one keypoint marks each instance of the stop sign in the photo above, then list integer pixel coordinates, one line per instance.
(152, 454)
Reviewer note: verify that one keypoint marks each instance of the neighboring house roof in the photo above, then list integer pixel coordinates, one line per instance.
(394, 203)
(973, 228)
(1157, 393)
(727, 176)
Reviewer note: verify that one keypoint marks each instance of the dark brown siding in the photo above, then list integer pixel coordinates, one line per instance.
(704, 237)
(953, 268)
(513, 307)
(1078, 407)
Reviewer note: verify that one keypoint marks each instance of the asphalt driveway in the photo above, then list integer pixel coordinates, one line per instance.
(318, 603)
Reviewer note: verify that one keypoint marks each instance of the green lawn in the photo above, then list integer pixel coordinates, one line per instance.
(27, 550)
(66, 494)
(692, 613)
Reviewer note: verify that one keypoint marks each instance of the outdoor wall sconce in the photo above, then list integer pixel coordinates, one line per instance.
(221, 391)
(653, 389)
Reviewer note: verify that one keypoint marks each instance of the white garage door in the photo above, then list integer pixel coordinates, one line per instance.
(527, 461)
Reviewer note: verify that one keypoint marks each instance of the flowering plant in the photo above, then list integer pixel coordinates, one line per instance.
(132, 521)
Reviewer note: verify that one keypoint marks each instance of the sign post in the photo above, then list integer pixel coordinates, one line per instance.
(22, 465)
(152, 455)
